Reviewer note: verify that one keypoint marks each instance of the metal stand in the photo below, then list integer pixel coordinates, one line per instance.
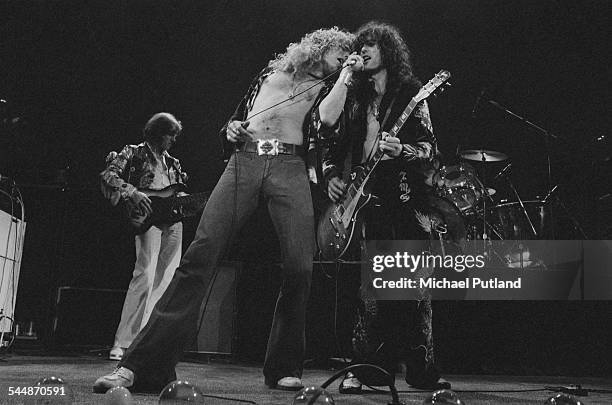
(547, 134)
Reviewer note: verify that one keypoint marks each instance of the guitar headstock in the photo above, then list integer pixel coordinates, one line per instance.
(436, 84)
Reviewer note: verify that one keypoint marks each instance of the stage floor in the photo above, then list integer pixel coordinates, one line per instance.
(245, 382)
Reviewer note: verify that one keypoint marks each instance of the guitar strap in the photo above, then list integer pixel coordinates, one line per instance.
(348, 159)
(382, 124)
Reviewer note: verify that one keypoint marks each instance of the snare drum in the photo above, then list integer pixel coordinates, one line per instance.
(460, 185)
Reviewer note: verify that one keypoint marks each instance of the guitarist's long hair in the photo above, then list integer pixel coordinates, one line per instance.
(303, 56)
(396, 58)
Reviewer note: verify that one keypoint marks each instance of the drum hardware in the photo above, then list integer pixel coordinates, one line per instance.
(545, 199)
(519, 257)
(575, 223)
(459, 185)
(484, 156)
(504, 174)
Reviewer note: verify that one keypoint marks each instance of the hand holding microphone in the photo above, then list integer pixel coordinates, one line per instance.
(354, 62)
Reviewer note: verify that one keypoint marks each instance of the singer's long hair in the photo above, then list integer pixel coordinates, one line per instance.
(396, 56)
(302, 57)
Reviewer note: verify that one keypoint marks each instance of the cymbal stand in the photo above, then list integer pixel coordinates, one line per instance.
(572, 218)
(484, 203)
(485, 224)
(518, 197)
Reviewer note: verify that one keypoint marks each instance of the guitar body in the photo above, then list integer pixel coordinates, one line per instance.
(339, 222)
(167, 208)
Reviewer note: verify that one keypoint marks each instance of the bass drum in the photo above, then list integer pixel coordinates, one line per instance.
(460, 185)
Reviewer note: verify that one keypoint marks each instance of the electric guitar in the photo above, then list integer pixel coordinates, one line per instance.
(167, 208)
(336, 226)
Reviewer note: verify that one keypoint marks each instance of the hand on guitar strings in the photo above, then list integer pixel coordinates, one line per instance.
(237, 131)
(390, 145)
(335, 189)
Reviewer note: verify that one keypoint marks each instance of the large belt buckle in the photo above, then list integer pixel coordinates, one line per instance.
(267, 147)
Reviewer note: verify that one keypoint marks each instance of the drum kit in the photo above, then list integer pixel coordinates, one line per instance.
(486, 214)
(488, 218)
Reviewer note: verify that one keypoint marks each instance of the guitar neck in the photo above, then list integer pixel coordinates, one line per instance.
(371, 164)
(186, 199)
(403, 118)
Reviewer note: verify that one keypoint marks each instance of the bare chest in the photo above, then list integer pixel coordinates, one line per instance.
(285, 102)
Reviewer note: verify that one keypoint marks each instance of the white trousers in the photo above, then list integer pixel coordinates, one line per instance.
(158, 253)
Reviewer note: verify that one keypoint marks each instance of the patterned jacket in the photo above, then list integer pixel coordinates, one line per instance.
(133, 169)
(419, 145)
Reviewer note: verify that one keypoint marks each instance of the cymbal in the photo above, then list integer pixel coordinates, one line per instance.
(483, 155)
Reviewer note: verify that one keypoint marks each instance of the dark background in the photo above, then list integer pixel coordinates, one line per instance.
(82, 77)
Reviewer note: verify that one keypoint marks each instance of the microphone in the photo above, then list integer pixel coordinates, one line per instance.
(503, 171)
(477, 103)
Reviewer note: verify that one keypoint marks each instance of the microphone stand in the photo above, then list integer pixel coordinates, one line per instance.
(547, 137)
(547, 134)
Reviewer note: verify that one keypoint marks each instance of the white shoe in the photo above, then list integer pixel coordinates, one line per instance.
(120, 377)
(289, 384)
(116, 353)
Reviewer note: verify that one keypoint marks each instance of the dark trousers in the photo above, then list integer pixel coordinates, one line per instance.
(283, 181)
(390, 332)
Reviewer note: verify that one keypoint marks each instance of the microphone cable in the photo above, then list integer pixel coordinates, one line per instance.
(318, 82)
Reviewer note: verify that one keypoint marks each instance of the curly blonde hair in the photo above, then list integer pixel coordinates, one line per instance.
(305, 55)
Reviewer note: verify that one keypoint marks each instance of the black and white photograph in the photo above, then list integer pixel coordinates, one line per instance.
(305, 202)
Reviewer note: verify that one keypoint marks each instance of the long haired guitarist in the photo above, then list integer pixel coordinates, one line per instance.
(126, 179)
(356, 119)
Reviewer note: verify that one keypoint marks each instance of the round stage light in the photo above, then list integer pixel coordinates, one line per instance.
(179, 392)
(440, 397)
(118, 396)
(52, 390)
(563, 399)
(313, 395)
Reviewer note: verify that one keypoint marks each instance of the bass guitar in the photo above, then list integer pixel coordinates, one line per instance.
(336, 226)
(167, 208)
